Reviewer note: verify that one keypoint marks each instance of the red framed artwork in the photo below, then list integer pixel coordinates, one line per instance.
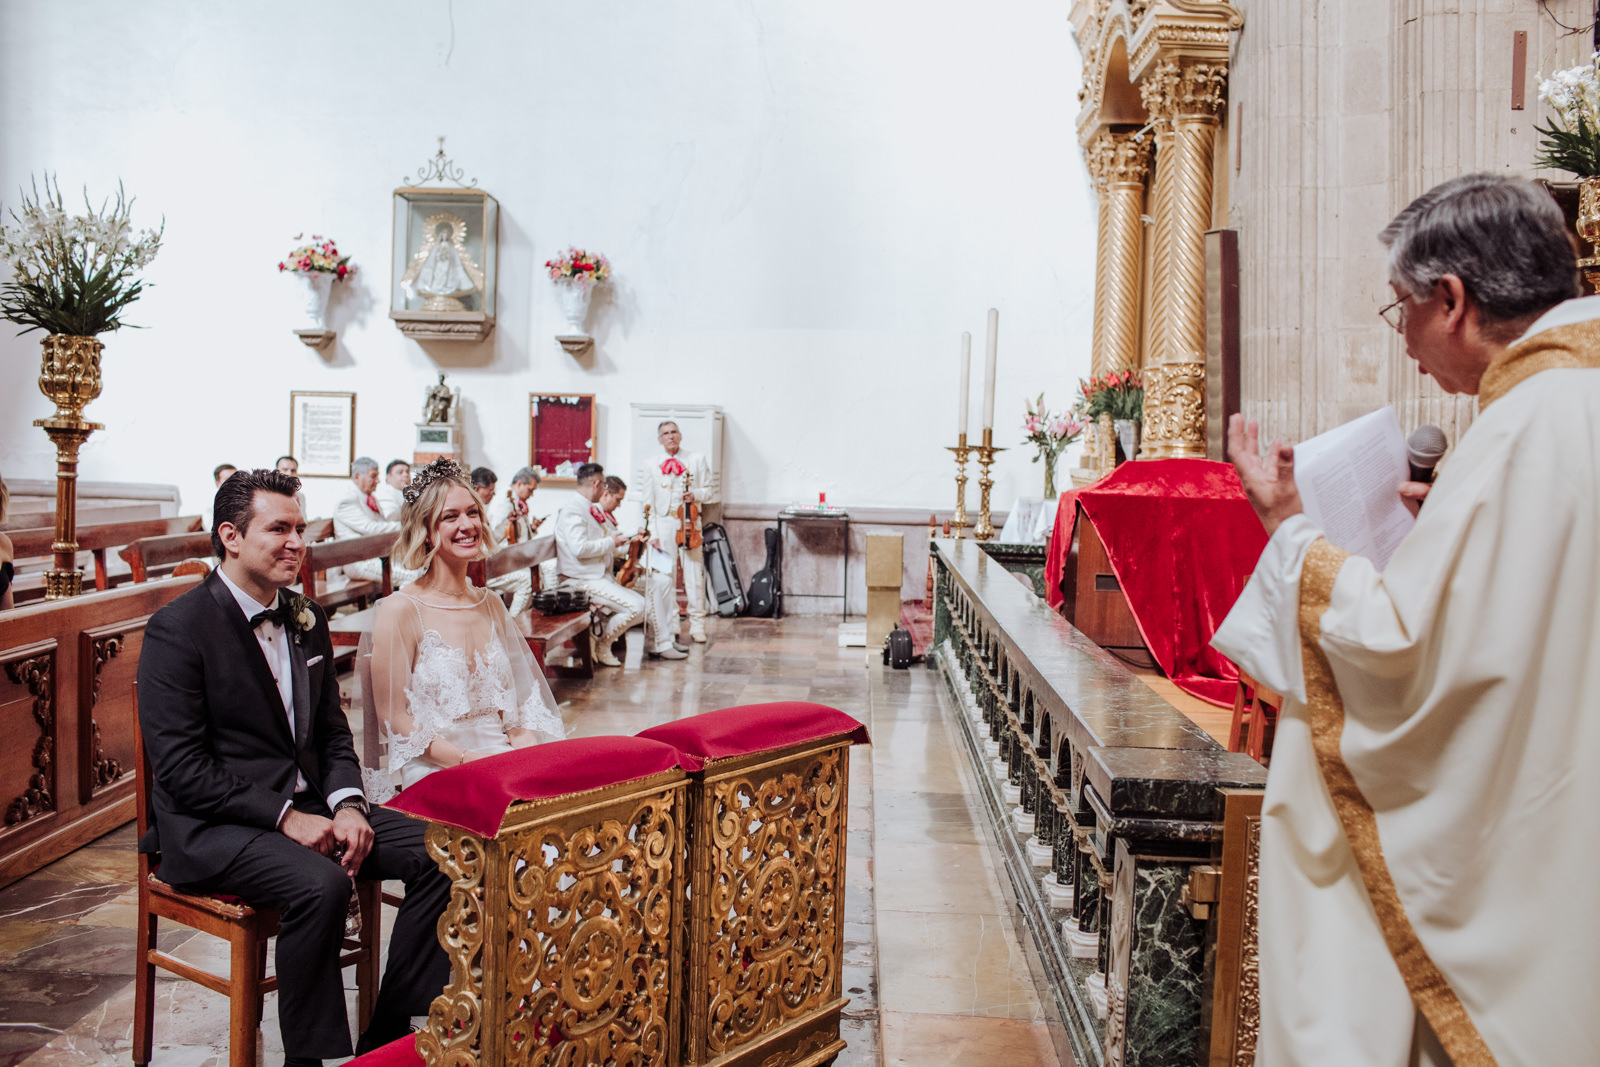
(561, 435)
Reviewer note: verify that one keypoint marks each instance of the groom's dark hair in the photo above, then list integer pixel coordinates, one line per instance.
(235, 501)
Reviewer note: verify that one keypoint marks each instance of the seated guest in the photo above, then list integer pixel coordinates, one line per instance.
(483, 482)
(220, 474)
(291, 466)
(437, 711)
(584, 554)
(7, 598)
(251, 801)
(509, 518)
(660, 589)
(510, 523)
(358, 515)
(396, 476)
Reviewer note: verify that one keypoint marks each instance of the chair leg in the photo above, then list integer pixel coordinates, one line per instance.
(144, 984)
(244, 1007)
(370, 894)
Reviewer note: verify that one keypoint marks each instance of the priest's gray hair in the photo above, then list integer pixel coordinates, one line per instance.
(1505, 238)
(362, 465)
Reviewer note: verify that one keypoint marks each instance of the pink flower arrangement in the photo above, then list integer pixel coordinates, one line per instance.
(577, 266)
(321, 256)
(1050, 433)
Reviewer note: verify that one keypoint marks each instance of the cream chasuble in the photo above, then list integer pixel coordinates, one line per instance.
(1428, 835)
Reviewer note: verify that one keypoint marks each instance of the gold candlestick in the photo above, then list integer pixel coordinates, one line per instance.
(958, 521)
(984, 531)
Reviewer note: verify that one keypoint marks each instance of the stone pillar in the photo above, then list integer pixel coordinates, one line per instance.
(1174, 414)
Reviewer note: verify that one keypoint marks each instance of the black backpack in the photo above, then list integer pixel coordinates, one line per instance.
(897, 649)
(765, 598)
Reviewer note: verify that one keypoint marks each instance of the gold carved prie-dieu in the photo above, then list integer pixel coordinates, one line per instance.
(442, 270)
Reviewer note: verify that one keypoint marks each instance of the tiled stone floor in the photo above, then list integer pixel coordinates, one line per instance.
(933, 966)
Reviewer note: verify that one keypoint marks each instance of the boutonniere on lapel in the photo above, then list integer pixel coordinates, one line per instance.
(302, 620)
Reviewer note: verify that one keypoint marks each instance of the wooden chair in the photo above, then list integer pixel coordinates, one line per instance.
(1255, 719)
(246, 930)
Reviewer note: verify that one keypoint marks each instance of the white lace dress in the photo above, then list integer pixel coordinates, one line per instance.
(457, 674)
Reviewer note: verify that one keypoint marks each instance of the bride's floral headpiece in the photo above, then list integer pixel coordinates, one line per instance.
(439, 468)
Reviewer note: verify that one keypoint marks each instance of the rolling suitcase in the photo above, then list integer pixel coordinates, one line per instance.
(897, 649)
(721, 571)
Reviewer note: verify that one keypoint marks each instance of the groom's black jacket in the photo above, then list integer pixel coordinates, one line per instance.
(217, 736)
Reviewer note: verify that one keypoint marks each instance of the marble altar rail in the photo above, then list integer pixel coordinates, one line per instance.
(1107, 802)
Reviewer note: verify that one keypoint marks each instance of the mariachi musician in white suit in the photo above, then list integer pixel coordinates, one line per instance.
(677, 482)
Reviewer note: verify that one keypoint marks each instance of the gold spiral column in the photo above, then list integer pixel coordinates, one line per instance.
(1123, 241)
(1158, 92)
(1097, 154)
(1174, 412)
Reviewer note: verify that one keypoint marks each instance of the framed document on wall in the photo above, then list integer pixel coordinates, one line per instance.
(322, 433)
(561, 432)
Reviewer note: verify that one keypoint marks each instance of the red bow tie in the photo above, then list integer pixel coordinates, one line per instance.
(372, 502)
(672, 466)
(522, 507)
(599, 516)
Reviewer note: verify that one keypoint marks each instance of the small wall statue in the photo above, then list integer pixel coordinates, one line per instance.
(436, 407)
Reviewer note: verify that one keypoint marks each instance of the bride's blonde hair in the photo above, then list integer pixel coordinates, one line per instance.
(419, 515)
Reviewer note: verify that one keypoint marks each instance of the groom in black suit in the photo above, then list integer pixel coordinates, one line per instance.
(257, 789)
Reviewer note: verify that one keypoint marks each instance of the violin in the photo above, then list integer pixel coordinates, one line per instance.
(511, 523)
(689, 535)
(629, 571)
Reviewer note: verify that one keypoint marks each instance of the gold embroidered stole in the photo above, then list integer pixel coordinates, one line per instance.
(1562, 348)
(1431, 993)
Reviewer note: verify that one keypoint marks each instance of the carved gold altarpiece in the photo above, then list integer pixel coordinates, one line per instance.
(671, 918)
(1154, 98)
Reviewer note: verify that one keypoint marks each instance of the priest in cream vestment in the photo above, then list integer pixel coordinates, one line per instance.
(1429, 875)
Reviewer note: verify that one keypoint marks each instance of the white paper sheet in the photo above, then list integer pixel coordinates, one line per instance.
(1349, 481)
(657, 561)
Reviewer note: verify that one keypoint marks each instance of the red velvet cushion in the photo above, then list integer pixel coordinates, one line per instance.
(475, 796)
(401, 1053)
(752, 728)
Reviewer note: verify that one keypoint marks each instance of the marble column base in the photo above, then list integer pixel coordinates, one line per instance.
(1081, 944)
(991, 748)
(1010, 794)
(1096, 985)
(1022, 820)
(1001, 770)
(1040, 854)
(1058, 895)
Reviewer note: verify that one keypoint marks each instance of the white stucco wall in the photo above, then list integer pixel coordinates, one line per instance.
(805, 205)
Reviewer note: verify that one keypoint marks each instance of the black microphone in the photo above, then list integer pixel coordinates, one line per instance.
(1423, 449)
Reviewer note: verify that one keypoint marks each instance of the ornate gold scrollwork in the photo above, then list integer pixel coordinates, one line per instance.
(775, 895)
(562, 936)
(1249, 1018)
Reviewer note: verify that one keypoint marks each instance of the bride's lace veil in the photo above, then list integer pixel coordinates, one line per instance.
(404, 709)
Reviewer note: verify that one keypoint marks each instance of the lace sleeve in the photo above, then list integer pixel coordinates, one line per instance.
(409, 708)
(535, 705)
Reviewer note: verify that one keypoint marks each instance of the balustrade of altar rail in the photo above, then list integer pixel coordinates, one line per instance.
(1108, 806)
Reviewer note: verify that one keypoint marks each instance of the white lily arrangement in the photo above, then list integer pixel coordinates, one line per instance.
(1571, 142)
(73, 274)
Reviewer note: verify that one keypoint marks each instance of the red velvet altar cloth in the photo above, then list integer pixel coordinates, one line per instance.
(741, 731)
(475, 796)
(1182, 540)
(401, 1053)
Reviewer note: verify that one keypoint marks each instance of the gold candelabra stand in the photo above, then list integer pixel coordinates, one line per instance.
(958, 521)
(70, 377)
(984, 531)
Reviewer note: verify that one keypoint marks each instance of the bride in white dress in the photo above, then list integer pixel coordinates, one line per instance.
(449, 677)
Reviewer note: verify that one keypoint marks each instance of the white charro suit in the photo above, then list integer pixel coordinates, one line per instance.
(663, 491)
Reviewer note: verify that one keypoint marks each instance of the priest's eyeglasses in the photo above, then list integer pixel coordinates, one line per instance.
(1395, 314)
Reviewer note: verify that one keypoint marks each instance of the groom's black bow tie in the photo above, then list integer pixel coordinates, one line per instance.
(279, 615)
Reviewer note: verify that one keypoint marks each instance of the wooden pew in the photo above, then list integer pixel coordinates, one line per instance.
(326, 555)
(31, 546)
(542, 632)
(67, 669)
(151, 557)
